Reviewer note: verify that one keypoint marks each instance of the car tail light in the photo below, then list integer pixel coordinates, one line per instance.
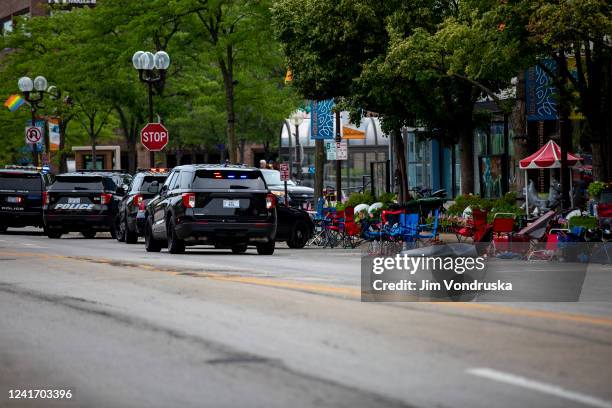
(45, 198)
(137, 200)
(270, 201)
(188, 200)
(141, 206)
(105, 198)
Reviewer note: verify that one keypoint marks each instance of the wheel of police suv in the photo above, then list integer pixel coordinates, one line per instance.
(239, 249)
(266, 249)
(175, 245)
(120, 230)
(130, 237)
(299, 235)
(151, 244)
(54, 234)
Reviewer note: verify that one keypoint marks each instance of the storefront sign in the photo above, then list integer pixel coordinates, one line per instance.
(350, 133)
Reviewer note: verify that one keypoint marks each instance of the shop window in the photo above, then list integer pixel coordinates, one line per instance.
(88, 162)
(7, 26)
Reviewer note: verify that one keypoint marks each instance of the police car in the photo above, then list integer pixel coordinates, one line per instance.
(21, 196)
(84, 202)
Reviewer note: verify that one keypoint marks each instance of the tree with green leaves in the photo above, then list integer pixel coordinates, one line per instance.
(577, 36)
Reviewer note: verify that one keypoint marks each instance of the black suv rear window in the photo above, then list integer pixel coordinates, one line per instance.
(96, 183)
(146, 182)
(228, 179)
(20, 182)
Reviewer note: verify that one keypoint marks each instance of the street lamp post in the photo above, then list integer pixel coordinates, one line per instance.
(29, 88)
(152, 69)
(297, 119)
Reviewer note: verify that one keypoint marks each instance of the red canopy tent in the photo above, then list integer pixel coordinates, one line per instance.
(547, 157)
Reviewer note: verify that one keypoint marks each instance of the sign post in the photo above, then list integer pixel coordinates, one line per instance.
(285, 176)
(154, 137)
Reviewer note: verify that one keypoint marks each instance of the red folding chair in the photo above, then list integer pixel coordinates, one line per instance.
(352, 230)
(476, 228)
(502, 229)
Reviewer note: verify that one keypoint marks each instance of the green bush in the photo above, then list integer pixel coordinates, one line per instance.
(585, 222)
(359, 198)
(506, 204)
(386, 199)
(595, 188)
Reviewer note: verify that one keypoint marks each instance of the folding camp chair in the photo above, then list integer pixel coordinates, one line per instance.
(332, 228)
(351, 234)
(551, 247)
(476, 228)
(428, 233)
(502, 230)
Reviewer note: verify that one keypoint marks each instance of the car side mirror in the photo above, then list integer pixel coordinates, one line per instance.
(163, 189)
(153, 187)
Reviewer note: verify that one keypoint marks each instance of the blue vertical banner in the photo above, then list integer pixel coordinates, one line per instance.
(322, 119)
(541, 95)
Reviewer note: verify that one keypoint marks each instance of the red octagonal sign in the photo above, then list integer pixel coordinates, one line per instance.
(154, 136)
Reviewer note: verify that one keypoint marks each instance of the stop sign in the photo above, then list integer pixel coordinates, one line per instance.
(154, 136)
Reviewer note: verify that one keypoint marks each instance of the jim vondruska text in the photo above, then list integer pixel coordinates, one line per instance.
(447, 284)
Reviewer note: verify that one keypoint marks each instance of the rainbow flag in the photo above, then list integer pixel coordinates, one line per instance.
(14, 102)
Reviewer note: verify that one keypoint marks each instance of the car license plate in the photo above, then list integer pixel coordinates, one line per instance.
(74, 200)
(14, 200)
(231, 203)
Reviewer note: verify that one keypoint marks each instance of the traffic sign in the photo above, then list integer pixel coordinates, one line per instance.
(330, 149)
(284, 172)
(341, 150)
(33, 134)
(154, 136)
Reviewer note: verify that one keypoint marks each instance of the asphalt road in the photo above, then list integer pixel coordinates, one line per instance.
(123, 328)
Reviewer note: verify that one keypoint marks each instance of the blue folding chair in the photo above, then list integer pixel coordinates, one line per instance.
(409, 225)
(432, 235)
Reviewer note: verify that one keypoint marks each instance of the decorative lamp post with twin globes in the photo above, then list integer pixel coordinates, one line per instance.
(34, 92)
(152, 70)
(297, 118)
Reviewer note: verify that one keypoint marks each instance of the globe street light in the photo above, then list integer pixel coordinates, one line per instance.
(28, 88)
(297, 119)
(152, 70)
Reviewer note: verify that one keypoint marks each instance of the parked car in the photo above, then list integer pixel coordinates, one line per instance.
(295, 226)
(298, 196)
(21, 196)
(144, 187)
(228, 206)
(85, 202)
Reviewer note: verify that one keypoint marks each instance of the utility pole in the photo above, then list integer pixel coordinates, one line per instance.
(338, 162)
(564, 137)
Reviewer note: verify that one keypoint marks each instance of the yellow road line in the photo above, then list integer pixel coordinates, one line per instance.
(340, 291)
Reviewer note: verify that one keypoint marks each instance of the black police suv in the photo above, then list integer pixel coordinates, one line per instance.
(297, 196)
(228, 206)
(294, 226)
(85, 202)
(21, 196)
(144, 187)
